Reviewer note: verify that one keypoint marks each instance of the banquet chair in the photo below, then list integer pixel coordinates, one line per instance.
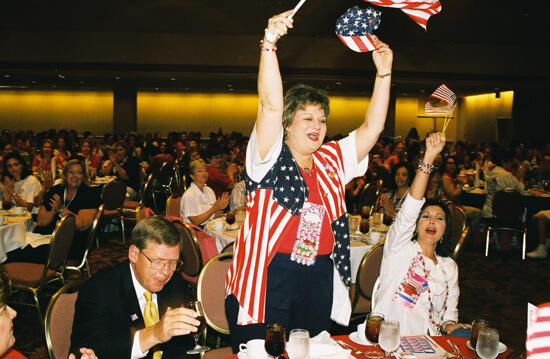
(368, 271)
(113, 195)
(452, 244)
(219, 353)
(509, 212)
(58, 321)
(162, 183)
(369, 194)
(83, 265)
(190, 253)
(211, 293)
(34, 277)
(173, 204)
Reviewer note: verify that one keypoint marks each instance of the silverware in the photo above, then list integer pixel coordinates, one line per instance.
(347, 346)
(455, 349)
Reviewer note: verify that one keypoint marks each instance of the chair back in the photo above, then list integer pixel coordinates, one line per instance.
(508, 206)
(369, 195)
(457, 227)
(190, 250)
(369, 270)
(113, 194)
(173, 205)
(62, 238)
(91, 238)
(211, 291)
(59, 320)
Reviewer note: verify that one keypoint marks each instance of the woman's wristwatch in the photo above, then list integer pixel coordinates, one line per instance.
(444, 324)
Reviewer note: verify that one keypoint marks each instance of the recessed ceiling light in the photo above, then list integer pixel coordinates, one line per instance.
(82, 82)
(156, 88)
(231, 90)
(7, 76)
(117, 77)
(33, 82)
(172, 79)
(61, 76)
(338, 83)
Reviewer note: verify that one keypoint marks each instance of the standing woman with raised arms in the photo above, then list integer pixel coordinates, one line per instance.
(291, 261)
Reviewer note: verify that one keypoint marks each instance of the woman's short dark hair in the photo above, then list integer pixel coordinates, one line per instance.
(448, 220)
(298, 97)
(47, 140)
(445, 160)
(25, 171)
(399, 165)
(123, 145)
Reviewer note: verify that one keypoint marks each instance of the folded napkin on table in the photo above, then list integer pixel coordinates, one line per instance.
(319, 344)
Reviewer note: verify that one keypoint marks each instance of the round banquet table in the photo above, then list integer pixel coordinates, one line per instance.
(224, 237)
(13, 232)
(441, 340)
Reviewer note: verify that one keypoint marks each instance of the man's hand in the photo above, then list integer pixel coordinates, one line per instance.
(176, 321)
(86, 354)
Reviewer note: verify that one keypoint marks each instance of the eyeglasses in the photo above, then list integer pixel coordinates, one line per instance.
(158, 264)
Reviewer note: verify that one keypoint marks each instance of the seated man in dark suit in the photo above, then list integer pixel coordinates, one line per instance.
(113, 307)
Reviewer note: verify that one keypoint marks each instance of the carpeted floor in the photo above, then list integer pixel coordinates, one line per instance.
(493, 288)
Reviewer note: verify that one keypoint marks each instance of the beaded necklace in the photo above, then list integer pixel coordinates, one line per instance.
(427, 273)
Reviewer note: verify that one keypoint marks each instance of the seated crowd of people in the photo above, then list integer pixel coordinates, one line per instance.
(50, 174)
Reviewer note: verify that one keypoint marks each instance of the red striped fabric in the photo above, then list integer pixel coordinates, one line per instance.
(538, 333)
(359, 43)
(264, 227)
(419, 11)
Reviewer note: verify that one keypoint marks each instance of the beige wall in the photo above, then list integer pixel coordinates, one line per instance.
(165, 112)
(477, 115)
(42, 110)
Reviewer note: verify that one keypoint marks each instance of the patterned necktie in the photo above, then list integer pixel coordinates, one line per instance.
(151, 316)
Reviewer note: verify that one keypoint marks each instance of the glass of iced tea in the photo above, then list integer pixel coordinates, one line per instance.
(476, 326)
(372, 331)
(197, 307)
(275, 340)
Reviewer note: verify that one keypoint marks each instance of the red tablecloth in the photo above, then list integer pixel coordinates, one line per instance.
(442, 341)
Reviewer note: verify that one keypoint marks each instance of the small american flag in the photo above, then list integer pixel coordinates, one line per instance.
(538, 333)
(355, 27)
(419, 11)
(444, 94)
(133, 317)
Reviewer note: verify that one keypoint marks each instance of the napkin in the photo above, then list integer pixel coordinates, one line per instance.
(36, 239)
(324, 338)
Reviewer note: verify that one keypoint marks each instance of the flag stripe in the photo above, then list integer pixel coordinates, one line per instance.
(418, 11)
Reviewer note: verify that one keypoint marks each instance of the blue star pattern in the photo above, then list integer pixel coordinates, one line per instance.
(358, 22)
(340, 229)
(285, 180)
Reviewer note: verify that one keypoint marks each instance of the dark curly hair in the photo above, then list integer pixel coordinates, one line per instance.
(409, 169)
(448, 223)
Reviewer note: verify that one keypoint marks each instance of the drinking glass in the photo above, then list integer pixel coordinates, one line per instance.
(372, 330)
(230, 218)
(476, 325)
(487, 343)
(365, 212)
(378, 218)
(364, 226)
(389, 336)
(197, 307)
(298, 344)
(275, 340)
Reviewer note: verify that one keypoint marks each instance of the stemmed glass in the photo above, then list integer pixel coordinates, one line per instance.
(197, 306)
(298, 344)
(389, 336)
(372, 331)
(275, 340)
(487, 343)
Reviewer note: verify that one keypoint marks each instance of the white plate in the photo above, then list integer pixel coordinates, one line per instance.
(501, 347)
(324, 350)
(242, 355)
(354, 337)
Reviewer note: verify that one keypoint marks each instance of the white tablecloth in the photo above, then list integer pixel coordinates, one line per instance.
(13, 232)
(224, 237)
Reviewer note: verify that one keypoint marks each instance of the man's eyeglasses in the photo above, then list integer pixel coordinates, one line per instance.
(158, 264)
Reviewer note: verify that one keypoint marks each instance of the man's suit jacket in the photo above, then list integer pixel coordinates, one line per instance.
(107, 314)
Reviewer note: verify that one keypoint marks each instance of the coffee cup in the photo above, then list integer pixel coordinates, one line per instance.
(375, 237)
(254, 349)
(218, 226)
(19, 210)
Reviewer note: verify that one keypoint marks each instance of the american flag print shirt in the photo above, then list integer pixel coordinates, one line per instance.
(276, 191)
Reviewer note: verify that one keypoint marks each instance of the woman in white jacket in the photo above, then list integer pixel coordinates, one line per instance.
(418, 287)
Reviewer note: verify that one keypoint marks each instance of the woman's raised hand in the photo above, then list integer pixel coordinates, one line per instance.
(434, 144)
(382, 56)
(279, 24)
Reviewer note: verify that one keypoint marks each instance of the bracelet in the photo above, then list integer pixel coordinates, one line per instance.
(444, 324)
(273, 49)
(425, 167)
(383, 75)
